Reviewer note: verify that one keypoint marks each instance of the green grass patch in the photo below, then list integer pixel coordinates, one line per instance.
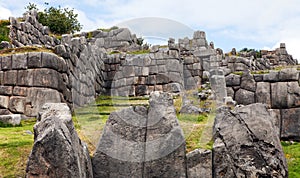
(260, 72)
(292, 154)
(16, 144)
(238, 73)
(144, 51)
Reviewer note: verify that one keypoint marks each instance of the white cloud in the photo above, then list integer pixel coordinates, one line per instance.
(5, 13)
(263, 23)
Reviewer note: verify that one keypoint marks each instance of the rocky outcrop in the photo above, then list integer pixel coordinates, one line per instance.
(141, 142)
(57, 150)
(247, 145)
(30, 32)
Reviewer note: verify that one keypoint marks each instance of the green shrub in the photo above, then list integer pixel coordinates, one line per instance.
(4, 30)
(59, 20)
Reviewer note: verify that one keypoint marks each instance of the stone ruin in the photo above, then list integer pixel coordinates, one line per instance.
(87, 65)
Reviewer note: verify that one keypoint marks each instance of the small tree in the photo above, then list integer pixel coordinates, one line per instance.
(59, 20)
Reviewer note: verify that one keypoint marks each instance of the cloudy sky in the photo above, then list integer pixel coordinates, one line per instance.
(228, 23)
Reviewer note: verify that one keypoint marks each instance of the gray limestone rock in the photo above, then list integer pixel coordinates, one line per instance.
(279, 100)
(244, 97)
(288, 74)
(141, 142)
(233, 80)
(17, 104)
(290, 124)
(248, 82)
(247, 145)
(12, 119)
(199, 164)
(263, 93)
(57, 150)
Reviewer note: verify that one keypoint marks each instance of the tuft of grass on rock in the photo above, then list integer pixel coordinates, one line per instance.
(144, 51)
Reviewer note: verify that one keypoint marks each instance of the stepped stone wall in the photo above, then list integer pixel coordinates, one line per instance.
(30, 32)
(278, 89)
(29, 80)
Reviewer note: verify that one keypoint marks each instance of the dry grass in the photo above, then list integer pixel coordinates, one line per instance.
(10, 51)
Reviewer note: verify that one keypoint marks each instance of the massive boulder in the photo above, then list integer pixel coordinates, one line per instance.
(57, 150)
(141, 142)
(247, 145)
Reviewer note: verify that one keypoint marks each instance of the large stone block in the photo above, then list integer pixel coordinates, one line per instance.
(19, 91)
(199, 164)
(272, 76)
(57, 149)
(46, 78)
(293, 94)
(26, 77)
(6, 90)
(17, 104)
(263, 93)
(19, 61)
(6, 62)
(49, 60)
(276, 119)
(244, 97)
(247, 145)
(37, 97)
(10, 77)
(288, 74)
(141, 142)
(290, 124)
(162, 79)
(12, 119)
(233, 80)
(279, 95)
(4, 101)
(248, 82)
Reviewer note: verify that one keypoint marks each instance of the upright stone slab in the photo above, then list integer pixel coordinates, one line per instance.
(165, 143)
(57, 149)
(138, 142)
(247, 144)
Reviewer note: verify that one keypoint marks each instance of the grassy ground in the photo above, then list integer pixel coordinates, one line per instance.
(15, 146)
(292, 154)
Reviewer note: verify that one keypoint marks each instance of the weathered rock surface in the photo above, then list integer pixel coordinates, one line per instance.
(12, 119)
(199, 164)
(246, 144)
(57, 150)
(142, 143)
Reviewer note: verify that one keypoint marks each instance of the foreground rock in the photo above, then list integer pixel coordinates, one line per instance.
(141, 142)
(13, 119)
(57, 150)
(247, 145)
(199, 164)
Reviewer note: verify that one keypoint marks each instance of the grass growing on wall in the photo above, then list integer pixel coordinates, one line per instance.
(25, 49)
(15, 146)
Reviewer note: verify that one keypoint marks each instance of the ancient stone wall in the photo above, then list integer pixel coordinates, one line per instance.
(30, 32)
(29, 80)
(136, 75)
(278, 89)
